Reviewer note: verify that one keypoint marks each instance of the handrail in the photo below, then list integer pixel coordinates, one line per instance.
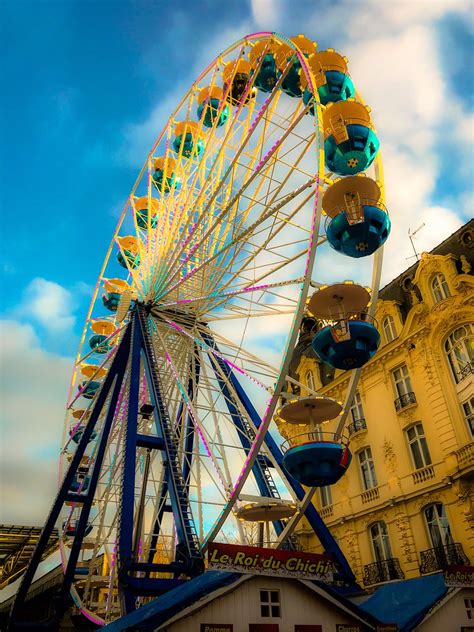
(382, 571)
(438, 557)
(466, 370)
(404, 400)
(356, 426)
(345, 317)
(342, 208)
(315, 436)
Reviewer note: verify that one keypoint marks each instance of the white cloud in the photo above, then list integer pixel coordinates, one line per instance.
(49, 304)
(395, 56)
(438, 221)
(266, 13)
(399, 72)
(33, 392)
(374, 16)
(399, 77)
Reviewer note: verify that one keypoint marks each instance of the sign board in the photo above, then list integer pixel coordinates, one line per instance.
(459, 576)
(252, 559)
(217, 627)
(348, 627)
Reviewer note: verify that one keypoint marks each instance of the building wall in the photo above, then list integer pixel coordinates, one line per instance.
(451, 615)
(403, 491)
(299, 605)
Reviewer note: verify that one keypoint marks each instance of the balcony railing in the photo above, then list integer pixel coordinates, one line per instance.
(326, 512)
(465, 371)
(384, 571)
(424, 474)
(465, 456)
(357, 425)
(404, 401)
(441, 556)
(370, 495)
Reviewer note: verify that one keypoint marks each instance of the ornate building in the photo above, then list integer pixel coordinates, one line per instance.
(406, 504)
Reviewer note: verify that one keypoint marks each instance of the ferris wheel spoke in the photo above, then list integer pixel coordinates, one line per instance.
(231, 397)
(242, 218)
(219, 441)
(199, 336)
(190, 408)
(240, 239)
(252, 175)
(269, 233)
(239, 149)
(222, 236)
(264, 290)
(234, 350)
(227, 294)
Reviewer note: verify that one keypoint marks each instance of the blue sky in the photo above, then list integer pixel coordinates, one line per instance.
(86, 88)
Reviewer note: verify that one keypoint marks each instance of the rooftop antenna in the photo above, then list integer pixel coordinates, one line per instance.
(410, 237)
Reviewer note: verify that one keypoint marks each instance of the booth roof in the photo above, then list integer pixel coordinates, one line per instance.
(407, 602)
(163, 608)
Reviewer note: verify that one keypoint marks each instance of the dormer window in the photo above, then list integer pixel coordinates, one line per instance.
(440, 288)
(459, 349)
(389, 330)
(310, 380)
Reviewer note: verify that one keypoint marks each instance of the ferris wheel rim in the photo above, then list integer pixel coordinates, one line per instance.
(299, 281)
(303, 282)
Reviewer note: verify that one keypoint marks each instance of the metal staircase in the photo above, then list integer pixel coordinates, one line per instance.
(188, 548)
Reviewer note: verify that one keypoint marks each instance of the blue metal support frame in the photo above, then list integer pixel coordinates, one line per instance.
(188, 447)
(116, 373)
(188, 550)
(133, 575)
(317, 523)
(265, 489)
(189, 430)
(127, 501)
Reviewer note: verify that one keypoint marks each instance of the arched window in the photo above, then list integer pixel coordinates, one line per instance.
(440, 288)
(438, 525)
(389, 330)
(367, 469)
(357, 410)
(418, 446)
(468, 410)
(380, 541)
(458, 347)
(310, 380)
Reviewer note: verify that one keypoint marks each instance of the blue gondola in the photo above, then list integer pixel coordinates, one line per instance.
(76, 436)
(351, 143)
(351, 353)
(90, 389)
(80, 483)
(317, 463)
(360, 239)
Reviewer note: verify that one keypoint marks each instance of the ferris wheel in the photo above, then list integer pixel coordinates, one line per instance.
(184, 360)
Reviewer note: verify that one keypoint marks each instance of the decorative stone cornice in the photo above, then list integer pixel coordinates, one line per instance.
(465, 265)
(428, 499)
(430, 264)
